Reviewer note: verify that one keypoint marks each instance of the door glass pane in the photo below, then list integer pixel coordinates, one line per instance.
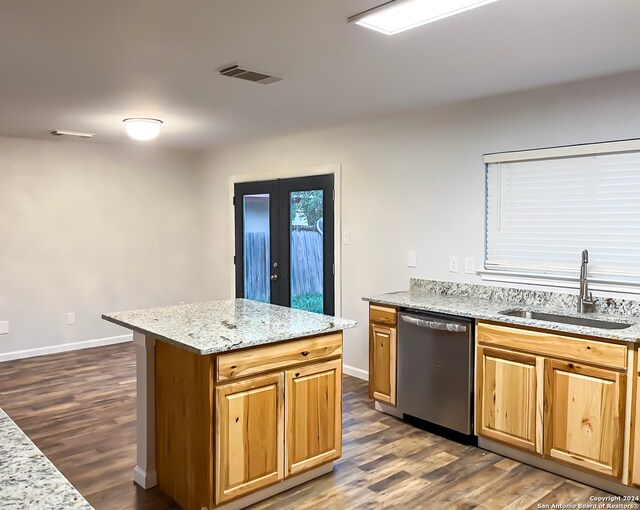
(307, 261)
(256, 248)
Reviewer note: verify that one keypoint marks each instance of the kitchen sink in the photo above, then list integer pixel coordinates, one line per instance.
(566, 319)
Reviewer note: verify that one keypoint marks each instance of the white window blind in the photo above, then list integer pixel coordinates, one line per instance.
(541, 214)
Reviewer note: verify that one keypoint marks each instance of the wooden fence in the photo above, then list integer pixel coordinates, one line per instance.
(306, 264)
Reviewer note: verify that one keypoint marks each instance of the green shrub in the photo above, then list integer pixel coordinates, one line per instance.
(308, 302)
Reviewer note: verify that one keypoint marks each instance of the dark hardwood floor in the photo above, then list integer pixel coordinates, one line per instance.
(79, 409)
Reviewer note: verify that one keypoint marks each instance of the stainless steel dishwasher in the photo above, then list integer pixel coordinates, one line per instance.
(435, 369)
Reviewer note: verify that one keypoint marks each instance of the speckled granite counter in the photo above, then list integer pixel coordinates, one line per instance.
(28, 480)
(485, 303)
(219, 326)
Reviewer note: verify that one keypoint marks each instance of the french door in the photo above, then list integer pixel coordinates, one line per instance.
(284, 252)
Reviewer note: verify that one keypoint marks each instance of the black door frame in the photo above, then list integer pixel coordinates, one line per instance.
(279, 224)
(255, 188)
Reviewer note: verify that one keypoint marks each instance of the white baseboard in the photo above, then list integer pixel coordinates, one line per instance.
(356, 372)
(53, 349)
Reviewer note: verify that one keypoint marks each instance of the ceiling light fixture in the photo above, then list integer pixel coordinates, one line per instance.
(399, 15)
(79, 134)
(142, 129)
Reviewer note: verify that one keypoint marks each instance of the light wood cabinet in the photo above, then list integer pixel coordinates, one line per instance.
(382, 354)
(507, 397)
(553, 345)
(562, 397)
(584, 416)
(231, 424)
(635, 458)
(314, 415)
(267, 358)
(250, 435)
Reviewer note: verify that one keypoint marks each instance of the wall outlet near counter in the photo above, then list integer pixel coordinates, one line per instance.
(469, 265)
(346, 237)
(4, 328)
(412, 260)
(71, 318)
(453, 264)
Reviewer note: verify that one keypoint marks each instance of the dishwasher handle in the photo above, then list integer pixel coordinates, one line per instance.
(442, 326)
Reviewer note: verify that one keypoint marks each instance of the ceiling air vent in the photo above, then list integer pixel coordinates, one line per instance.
(236, 71)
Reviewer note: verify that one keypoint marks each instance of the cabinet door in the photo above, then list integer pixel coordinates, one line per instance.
(635, 475)
(382, 369)
(584, 416)
(314, 415)
(250, 435)
(507, 397)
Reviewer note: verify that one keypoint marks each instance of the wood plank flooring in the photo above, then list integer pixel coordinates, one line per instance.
(79, 409)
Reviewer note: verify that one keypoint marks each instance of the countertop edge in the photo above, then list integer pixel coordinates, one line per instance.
(507, 320)
(177, 343)
(28, 454)
(207, 352)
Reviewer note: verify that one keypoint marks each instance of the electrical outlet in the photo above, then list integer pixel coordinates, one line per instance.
(346, 238)
(469, 265)
(453, 264)
(4, 328)
(71, 319)
(411, 259)
(182, 302)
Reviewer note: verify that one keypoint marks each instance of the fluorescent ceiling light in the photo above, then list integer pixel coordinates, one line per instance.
(80, 134)
(142, 129)
(398, 15)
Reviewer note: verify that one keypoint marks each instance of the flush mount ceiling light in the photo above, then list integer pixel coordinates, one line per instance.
(400, 15)
(142, 129)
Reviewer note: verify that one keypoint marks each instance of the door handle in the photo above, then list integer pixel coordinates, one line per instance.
(274, 277)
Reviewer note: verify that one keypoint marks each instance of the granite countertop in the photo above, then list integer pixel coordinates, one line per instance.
(28, 480)
(219, 326)
(488, 307)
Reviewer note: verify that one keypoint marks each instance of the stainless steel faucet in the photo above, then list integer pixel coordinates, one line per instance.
(586, 303)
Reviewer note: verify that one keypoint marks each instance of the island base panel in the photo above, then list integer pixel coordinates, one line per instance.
(184, 426)
(144, 474)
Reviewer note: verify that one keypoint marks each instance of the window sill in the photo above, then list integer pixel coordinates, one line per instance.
(562, 282)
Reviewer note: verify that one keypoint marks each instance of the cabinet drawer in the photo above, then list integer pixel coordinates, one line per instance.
(557, 346)
(277, 357)
(383, 315)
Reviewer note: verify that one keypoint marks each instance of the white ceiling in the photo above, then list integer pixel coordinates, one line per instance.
(86, 65)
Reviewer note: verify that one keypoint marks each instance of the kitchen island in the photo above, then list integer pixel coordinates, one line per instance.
(237, 400)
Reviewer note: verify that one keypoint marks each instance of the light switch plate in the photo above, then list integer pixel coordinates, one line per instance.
(469, 265)
(71, 319)
(453, 264)
(346, 238)
(4, 328)
(412, 260)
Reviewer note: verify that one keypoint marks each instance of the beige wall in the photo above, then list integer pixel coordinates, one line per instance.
(90, 228)
(416, 181)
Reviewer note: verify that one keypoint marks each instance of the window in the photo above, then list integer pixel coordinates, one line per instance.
(545, 206)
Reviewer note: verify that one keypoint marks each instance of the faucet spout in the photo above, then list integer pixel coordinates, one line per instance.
(586, 303)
